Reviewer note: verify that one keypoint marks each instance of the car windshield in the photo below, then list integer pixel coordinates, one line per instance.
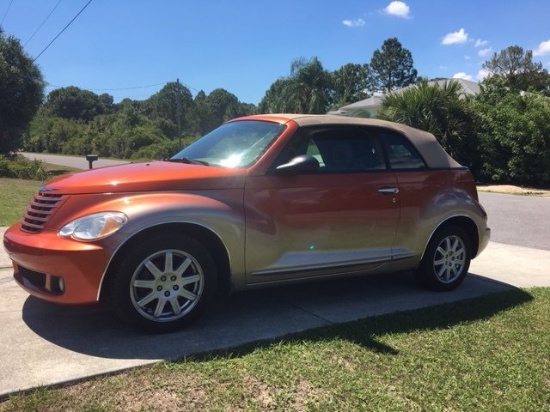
(235, 144)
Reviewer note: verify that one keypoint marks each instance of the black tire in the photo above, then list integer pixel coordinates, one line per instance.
(446, 260)
(164, 283)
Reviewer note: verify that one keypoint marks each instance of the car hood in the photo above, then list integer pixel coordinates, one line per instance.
(145, 177)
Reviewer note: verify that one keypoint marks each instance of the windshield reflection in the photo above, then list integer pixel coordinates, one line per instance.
(235, 144)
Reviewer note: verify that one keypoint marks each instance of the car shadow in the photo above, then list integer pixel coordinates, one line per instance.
(58, 172)
(248, 319)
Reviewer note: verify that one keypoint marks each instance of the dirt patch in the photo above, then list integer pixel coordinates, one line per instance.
(514, 190)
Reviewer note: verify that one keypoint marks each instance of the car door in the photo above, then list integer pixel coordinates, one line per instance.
(341, 218)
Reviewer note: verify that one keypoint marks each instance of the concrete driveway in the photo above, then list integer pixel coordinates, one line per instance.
(44, 344)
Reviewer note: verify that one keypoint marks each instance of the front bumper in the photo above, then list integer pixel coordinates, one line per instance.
(56, 269)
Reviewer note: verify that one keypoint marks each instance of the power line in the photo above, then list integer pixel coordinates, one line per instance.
(41, 24)
(125, 88)
(6, 13)
(114, 88)
(190, 87)
(61, 32)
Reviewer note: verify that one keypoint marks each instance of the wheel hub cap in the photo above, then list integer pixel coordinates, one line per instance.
(449, 259)
(166, 285)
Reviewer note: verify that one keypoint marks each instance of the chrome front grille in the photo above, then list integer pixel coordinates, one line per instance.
(41, 207)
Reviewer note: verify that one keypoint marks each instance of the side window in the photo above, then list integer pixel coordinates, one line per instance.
(346, 150)
(337, 148)
(401, 153)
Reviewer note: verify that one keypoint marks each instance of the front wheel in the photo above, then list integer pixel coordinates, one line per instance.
(164, 283)
(446, 260)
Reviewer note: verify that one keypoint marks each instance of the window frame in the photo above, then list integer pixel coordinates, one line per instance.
(295, 147)
(384, 136)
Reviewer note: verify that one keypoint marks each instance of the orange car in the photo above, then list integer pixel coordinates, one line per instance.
(259, 201)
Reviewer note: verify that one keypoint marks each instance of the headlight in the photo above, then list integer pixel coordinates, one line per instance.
(94, 227)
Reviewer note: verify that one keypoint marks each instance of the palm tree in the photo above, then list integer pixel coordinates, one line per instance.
(279, 98)
(306, 90)
(443, 110)
(311, 85)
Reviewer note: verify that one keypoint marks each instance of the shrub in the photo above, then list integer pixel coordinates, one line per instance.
(515, 135)
(17, 166)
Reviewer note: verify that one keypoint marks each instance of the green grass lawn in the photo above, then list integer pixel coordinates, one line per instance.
(486, 354)
(16, 194)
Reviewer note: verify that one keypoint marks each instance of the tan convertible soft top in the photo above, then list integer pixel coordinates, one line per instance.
(426, 143)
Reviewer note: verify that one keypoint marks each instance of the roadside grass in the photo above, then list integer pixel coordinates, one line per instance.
(514, 190)
(16, 194)
(490, 353)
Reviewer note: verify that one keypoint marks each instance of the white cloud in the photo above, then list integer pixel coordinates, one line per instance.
(398, 8)
(542, 49)
(354, 23)
(482, 74)
(456, 37)
(484, 52)
(481, 43)
(462, 75)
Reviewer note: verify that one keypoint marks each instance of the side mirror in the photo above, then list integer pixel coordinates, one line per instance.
(303, 163)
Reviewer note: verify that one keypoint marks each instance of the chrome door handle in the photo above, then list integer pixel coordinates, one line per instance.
(389, 190)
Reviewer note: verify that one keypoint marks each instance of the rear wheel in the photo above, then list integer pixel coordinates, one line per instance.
(446, 260)
(165, 283)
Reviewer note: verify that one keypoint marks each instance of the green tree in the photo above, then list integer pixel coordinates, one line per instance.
(76, 104)
(203, 113)
(279, 98)
(307, 90)
(514, 134)
(391, 67)
(349, 84)
(312, 86)
(247, 109)
(131, 113)
(107, 103)
(442, 110)
(174, 102)
(218, 107)
(21, 91)
(517, 68)
(222, 106)
(55, 135)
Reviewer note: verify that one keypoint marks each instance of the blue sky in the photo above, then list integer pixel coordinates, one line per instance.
(131, 48)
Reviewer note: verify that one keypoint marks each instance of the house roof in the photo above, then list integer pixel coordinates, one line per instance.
(468, 87)
(372, 103)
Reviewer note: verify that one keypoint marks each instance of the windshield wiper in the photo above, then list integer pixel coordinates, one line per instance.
(188, 161)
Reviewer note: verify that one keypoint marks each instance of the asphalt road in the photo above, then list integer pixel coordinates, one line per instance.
(73, 161)
(518, 220)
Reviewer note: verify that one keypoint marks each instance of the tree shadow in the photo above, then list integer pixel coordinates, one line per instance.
(365, 332)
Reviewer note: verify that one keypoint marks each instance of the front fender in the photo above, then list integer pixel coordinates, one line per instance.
(219, 211)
